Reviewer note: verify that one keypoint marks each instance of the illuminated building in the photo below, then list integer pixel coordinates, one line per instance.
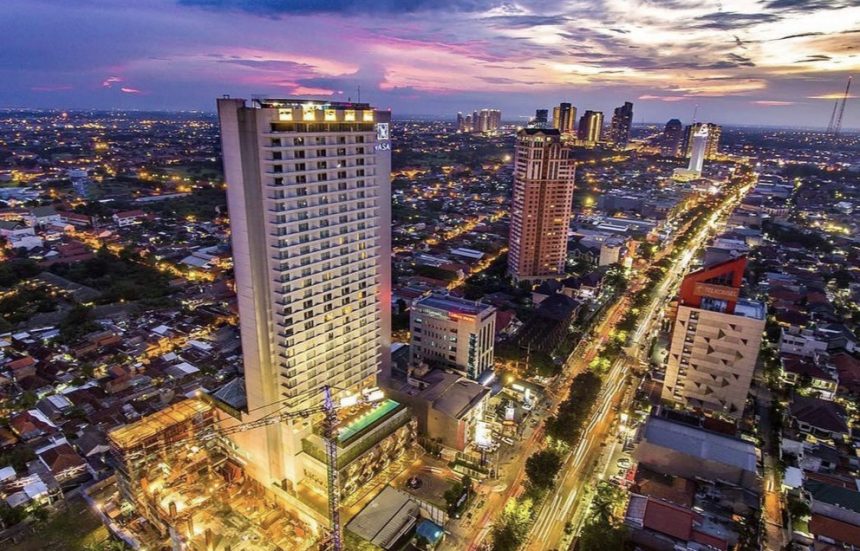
(541, 119)
(622, 120)
(485, 120)
(590, 127)
(697, 157)
(309, 198)
(453, 333)
(712, 146)
(543, 196)
(564, 118)
(715, 341)
(670, 141)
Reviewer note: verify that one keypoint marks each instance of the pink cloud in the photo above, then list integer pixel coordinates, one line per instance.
(664, 98)
(128, 90)
(110, 81)
(57, 88)
(773, 103)
(310, 91)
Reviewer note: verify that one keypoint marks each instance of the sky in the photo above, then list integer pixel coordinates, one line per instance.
(773, 62)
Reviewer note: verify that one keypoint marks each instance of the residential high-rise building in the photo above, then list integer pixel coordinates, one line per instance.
(309, 198)
(461, 123)
(697, 150)
(452, 333)
(712, 148)
(670, 141)
(564, 118)
(541, 118)
(715, 341)
(543, 196)
(590, 127)
(622, 120)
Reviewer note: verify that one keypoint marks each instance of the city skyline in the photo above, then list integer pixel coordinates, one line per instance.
(766, 63)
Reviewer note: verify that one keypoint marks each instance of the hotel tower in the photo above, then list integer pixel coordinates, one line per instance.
(309, 197)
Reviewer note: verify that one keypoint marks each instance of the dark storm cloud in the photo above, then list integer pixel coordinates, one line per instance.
(809, 5)
(312, 7)
(728, 20)
(814, 58)
(523, 21)
(800, 35)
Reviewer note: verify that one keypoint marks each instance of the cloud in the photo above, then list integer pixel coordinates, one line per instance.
(810, 5)
(727, 20)
(110, 81)
(773, 103)
(52, 88)
(128, 90)
(834, 95)
(347, 7)
(647, 97)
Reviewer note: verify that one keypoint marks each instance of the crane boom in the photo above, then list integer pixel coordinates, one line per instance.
(837, 127)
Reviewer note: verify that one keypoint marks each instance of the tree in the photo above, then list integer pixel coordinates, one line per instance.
(598, 536)
(542, 468)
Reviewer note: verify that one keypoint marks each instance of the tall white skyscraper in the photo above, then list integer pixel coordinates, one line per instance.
(309, 197)
(697, 155)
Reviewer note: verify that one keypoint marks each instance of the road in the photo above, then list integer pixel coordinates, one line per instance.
(499, 492)
(564, 503)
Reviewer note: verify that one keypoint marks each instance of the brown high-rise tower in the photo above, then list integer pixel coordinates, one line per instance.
(543, 194)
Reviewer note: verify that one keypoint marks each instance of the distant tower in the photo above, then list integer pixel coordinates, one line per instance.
(590, 126)
(460, 122)
(564, 118)
(541, 119)
(671, 140)
(622, 120)
(697, 156)
(712, 148)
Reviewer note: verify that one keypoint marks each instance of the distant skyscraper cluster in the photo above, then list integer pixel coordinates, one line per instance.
(485, 120)
(589, 131)
(543, 196)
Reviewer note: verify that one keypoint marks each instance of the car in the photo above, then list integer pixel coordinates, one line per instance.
(508, 441)
(623, 462)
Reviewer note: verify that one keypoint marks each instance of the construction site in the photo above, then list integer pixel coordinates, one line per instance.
(182, 485)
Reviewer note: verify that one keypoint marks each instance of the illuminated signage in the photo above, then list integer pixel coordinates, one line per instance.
(382, 132)
(716, 291)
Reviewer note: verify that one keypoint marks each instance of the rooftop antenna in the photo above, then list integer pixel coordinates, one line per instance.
(359, 93)
(837, 126)
(695, 112)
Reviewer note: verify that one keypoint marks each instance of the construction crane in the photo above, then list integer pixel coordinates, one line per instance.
(330, 421)
(835, 126)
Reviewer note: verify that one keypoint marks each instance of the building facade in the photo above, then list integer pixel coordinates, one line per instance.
(564, 118)
(543, 196)
(308, 192)
(590, 127)
(712, 145)
(670, 141)
(715, 342)
(453, 333)
(622, 121)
